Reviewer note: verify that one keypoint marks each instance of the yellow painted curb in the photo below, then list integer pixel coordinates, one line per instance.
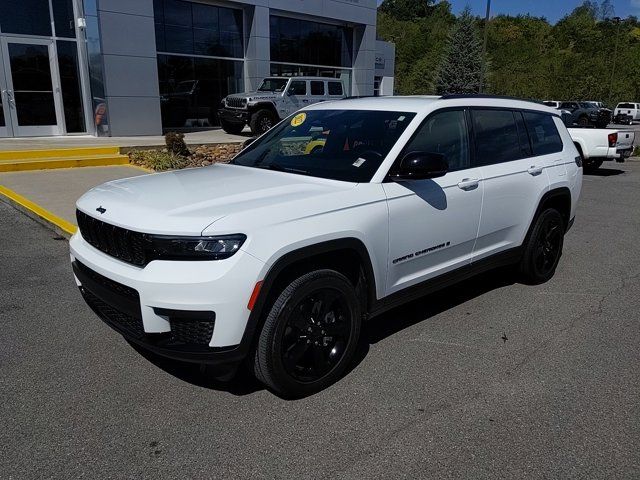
(140, 167)
(58, 152)
(36, 209)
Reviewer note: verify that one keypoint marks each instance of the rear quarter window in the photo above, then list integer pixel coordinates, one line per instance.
(335, 88)
(543, 133)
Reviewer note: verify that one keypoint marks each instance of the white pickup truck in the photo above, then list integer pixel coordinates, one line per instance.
(597, 145)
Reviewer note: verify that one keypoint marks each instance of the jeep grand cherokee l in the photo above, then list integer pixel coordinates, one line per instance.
(278, 257)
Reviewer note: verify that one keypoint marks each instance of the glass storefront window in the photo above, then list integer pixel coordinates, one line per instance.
(191, 88)
(303, 41)
(63, 18)
(196, 28)
(70, 86)
(25, 17)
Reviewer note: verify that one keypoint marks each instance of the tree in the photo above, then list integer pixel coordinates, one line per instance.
(461, 69)
(407, 9)
(607, 10)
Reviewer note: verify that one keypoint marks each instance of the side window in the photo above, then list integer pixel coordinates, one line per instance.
(543, 133)
(317, 88)
(497, 138)
(444, 133)
(298, 87)
(335, 88)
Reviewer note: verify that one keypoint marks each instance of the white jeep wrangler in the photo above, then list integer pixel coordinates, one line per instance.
(275, 99)
(278, 257)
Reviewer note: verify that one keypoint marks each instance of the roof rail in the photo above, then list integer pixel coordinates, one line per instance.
(454, 96)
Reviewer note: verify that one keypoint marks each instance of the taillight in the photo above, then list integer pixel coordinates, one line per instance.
(613, 139)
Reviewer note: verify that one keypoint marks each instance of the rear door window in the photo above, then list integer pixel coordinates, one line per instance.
(317, 87)
(497, 137)
(544, 135)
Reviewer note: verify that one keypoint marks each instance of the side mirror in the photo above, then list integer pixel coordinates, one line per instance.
(420, 166)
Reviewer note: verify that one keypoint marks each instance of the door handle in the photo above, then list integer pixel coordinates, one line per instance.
(468, 184)
(534, 171)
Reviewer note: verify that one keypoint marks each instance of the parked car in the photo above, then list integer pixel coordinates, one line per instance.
(276, 98)
(586, 113)
(625, 145)
(595, 145)
(627, 113)
(278, 257)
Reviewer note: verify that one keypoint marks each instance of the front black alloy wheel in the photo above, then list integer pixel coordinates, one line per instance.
(309, 335)
(544, 248)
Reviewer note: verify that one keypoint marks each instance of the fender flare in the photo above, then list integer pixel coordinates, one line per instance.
(289, 258)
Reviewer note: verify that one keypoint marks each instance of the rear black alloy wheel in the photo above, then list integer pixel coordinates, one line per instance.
(544, 248)
(310, 334)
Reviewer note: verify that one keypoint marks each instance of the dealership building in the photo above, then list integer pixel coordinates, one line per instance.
(141, 67)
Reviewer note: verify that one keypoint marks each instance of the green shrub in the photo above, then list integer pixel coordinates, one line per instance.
(175, 144)
(157, 159)
(636, 151)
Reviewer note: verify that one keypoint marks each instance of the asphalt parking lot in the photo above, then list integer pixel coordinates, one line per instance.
(488, 379)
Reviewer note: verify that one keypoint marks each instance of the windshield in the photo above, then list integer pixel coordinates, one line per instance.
(626, 105)
(273, 85)
(551, 104)
(346, 145)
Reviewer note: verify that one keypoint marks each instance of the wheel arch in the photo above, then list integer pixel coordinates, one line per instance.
(348, 256)
(558, 198)
(265, 105)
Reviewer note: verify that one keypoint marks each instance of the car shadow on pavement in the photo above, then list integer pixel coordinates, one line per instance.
(604, 172)
(373, 332)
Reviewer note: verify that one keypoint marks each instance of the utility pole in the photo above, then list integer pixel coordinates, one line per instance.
(484, 45)
(617, 21)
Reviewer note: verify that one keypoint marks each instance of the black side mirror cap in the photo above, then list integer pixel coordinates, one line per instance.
(421, 166)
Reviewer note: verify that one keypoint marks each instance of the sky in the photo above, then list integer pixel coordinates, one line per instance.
(553, 10)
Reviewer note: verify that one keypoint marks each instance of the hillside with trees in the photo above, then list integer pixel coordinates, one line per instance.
(526, 56)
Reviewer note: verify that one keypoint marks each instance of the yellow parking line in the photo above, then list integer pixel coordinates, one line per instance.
(46, 215)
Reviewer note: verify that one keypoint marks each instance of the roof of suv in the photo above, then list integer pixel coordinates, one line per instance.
(420, 103)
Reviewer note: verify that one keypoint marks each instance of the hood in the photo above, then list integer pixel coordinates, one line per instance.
(255, 95)
(186, 202)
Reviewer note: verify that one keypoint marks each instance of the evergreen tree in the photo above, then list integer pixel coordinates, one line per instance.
(407, 9)
(461, 69)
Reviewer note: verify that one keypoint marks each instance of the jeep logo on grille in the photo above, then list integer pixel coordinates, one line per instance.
(100, 209)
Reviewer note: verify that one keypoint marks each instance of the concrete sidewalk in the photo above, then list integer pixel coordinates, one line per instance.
(50, 196)
(72, 141)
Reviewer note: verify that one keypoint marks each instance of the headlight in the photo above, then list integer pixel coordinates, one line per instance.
(195, 248)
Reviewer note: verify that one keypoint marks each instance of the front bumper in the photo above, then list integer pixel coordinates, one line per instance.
(187, 310)
(233, 115)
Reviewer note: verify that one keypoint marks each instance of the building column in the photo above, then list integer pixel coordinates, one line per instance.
(258, 53)
(364, 60)
(130, 67)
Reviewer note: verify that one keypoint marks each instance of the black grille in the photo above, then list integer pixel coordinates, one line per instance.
(195, 332)
(234, 102)
(120, 320)
(123, 244)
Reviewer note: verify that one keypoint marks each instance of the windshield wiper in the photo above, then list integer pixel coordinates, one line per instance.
(279, 168)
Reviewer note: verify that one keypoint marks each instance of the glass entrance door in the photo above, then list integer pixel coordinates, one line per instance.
(31, 94)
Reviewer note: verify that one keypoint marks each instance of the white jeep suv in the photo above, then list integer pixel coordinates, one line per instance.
(340, 212)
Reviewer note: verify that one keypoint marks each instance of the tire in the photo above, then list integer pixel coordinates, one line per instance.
(543, 249)
(592, 165)
(294, 351)
(583, 121)
(261, 121)
(231, 128)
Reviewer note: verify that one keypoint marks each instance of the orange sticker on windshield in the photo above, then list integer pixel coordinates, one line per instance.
(298, 119)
